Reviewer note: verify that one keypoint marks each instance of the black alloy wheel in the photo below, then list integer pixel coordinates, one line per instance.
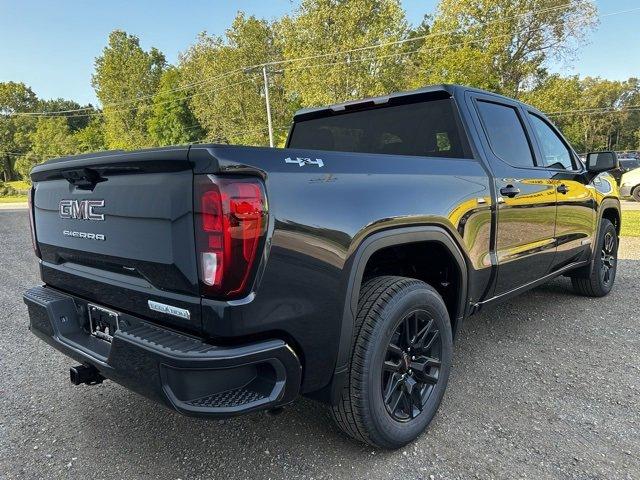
(596, 279)
(400, 362)
(412, 366)
(608, 258)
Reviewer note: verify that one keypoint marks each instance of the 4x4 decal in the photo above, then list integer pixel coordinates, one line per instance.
(305, 161)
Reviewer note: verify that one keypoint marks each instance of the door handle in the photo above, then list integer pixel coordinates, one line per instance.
(563, 189)
(509, 191)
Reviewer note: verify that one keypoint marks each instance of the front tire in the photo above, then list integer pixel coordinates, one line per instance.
(598, 280)
(636, 193)
(400, 362)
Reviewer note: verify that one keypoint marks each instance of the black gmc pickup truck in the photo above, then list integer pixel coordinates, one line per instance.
(221, 280)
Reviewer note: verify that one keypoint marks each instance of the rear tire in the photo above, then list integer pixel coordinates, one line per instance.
(400, 362)
(636, 193)
(599, 279)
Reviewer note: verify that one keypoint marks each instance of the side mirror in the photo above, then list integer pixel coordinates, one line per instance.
(598, 162)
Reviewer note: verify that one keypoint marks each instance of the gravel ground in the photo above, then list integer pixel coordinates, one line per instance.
(544, 386)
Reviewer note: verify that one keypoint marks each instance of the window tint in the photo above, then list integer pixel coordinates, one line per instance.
(427, 128)
(506, 135)
(555, 153)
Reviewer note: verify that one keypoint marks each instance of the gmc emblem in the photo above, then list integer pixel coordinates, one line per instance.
(81, 209)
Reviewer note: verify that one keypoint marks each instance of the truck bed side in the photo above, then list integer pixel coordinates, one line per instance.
(319, 217)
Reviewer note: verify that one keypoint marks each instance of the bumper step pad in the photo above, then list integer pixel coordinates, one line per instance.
(230, 399)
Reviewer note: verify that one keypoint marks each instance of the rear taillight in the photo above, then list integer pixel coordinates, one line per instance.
(231, 220)
(32, 222)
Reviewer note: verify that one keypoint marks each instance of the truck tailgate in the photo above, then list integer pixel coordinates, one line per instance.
(118, 230)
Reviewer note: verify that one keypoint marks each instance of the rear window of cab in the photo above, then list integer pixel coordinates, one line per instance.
(427, 128)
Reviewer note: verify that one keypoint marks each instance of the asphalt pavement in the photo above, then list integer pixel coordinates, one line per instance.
(544, 386)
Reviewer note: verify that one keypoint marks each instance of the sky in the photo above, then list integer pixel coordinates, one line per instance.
(51, 45)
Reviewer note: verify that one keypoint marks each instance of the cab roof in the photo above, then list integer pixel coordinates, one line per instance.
(429, 92)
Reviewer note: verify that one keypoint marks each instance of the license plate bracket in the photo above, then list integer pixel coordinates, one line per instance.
(103, 322)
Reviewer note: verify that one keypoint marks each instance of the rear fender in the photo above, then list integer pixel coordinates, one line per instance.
(609, 203)
(356, 266)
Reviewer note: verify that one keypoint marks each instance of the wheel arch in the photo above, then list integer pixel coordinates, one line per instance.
(355, 266)
(608, 209)
(611, 213)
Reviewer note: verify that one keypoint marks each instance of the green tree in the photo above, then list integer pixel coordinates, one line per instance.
(555, 93)
(125, 80)
(230, 106)
(76, 120)
(172, 121)
(601, 129)
(328, 27)
(416, 38)
(14, 98)
(591, 112)
(51, 138)
(629, 136)
(91, 138)
(501, 45)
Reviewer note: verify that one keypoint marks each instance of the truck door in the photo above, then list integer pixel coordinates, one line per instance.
(526, 204)
(577, 207)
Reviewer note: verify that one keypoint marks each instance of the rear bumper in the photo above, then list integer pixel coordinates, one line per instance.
(179, 371)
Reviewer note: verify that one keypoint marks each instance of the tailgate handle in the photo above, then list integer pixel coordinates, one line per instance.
(83, 178)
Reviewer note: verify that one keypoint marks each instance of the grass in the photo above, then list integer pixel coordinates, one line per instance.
(630, 223)
(19, 184)
(21, 188)
(14, 199)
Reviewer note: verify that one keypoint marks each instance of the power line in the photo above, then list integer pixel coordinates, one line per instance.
(417, 38)
(435, 34)
(346, 61)
(399, 54)
(584, 111)
(207, 92)
(238, 132)
(124, 102)
(99, 114)
(588, 111)
(622, 109)
(304, 67)
(210, 139)
(298, 59)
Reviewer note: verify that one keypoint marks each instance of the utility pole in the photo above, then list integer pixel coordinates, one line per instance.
(266, 99)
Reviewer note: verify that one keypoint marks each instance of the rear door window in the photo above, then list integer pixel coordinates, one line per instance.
(506, 134)
(427, 128)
